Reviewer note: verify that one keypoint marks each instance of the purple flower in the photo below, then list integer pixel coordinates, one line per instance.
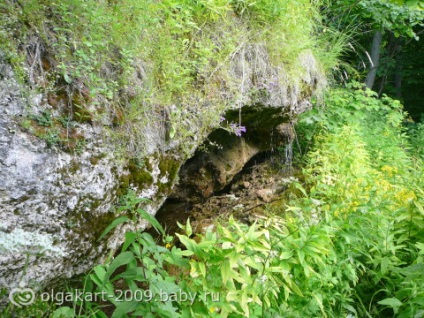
(238, 130)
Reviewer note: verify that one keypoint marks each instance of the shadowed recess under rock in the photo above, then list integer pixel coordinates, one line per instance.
(244, 197)
(224, 154)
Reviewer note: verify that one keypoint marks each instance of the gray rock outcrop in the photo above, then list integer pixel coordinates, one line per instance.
(54, 204)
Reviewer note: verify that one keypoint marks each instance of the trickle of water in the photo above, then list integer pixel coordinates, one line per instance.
(288, 155)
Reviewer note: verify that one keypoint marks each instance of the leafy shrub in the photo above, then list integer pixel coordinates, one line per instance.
(368, 181)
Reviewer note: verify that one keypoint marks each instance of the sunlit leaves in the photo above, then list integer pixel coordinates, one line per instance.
(374, 191)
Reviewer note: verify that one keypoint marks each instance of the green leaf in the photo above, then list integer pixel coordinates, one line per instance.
(115, 223)
(134, 274)
(67, 78)
(120, 260)
(419, 207)
(296, 289)
(286, 255)
(318, 298)
(172, 131)
(189, 230)
(130, 238)
(226, 272)
(152, 220)
(100, 274)
(165, 287)
(180, 252)
(384, 264)
(189, 243)
(202, 269)
(244, 301)
(420, 246)
(123, 308)
(394, 303)
(63, 312)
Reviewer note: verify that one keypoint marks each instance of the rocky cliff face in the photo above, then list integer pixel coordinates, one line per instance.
(54, 203)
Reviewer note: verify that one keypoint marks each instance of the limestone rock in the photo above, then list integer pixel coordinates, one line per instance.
(265, 195)
(54, 204)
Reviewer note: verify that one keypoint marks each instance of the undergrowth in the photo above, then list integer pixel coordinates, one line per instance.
(346, 242)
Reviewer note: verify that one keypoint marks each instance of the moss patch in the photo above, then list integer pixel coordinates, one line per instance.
(170, 166)
(139, 174)
(85, 223)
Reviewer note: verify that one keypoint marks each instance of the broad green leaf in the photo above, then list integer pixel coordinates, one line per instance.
(226, 272)
(120, 260)
(130, 238)
(100, 274)
(123, 308)
(296, 289)
(63, 312)
(189, 243)
(67, 78)
(165, 287)
(135, 274)
(286, 255)
(394, 303)
(180, 252)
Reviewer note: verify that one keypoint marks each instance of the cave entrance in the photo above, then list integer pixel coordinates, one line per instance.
(245, 197)
(232, 175)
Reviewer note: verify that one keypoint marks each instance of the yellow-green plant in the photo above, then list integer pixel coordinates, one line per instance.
(368, 182)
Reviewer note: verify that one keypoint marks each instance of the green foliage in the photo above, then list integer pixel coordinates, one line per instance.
(44, 119)
(38, 308)
(370, 185)
(56, 132)
(413, 4)
(129, 204)
(348, 242)
(416, 133)
(399, 25)
(382, 15)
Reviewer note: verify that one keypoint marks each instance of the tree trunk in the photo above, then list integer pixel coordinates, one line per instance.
(398, 69)
(374, 59)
